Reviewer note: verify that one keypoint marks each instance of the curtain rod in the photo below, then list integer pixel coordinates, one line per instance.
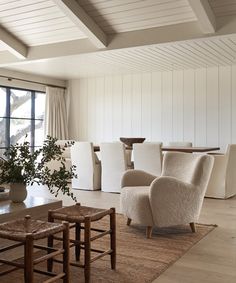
(29, 81)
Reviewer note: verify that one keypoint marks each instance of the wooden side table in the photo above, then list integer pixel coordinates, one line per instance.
(25, 231)
(78, 215)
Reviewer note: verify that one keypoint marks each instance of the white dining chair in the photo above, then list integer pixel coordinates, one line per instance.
(114, 164)
(222, 183)
(88, 167)
(55, 164)
(148, 157)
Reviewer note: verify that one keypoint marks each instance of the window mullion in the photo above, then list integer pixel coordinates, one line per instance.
(33, 119)
(8, 114)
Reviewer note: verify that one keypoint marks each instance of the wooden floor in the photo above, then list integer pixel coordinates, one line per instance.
(213, 259)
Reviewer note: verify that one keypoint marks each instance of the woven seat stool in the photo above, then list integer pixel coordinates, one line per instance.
(25, 231)
(78, 215)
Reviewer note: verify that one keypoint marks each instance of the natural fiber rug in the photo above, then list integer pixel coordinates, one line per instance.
(139, 260)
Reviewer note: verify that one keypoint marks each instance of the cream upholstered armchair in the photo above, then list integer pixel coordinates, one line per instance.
(175, 198)
(222, 182)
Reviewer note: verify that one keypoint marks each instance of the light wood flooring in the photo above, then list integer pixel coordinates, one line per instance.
(212, 260)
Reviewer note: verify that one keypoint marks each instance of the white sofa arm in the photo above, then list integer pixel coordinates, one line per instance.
(174, 202)
(133, 178)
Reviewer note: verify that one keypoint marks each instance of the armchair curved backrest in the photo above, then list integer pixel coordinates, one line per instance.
(88, 170)
(148, 157)
(188, 168)
(180, 165)
(114, 164)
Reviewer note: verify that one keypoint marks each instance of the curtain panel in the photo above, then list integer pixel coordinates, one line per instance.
(55, 113)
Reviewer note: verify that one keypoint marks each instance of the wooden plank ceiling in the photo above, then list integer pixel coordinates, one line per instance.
(41, 22)
(189, 54)
(223, 7)
(115, 16)
(37, 22)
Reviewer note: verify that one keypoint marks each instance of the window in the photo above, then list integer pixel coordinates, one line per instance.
(21, 113)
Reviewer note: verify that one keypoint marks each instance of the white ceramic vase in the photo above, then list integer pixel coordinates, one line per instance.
(18, 192)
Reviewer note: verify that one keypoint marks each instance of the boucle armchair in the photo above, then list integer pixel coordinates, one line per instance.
(222, 183)
(174, 198)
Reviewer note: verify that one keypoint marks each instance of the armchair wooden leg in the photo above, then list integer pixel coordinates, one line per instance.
(129, 221)
(149, 232)
(193, 227)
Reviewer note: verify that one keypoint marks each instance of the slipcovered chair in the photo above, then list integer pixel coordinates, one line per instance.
(175, 198)
(148, 157)
(88, 167)
(184, 144)
(114, 164)
(54, 164)
(222, 182)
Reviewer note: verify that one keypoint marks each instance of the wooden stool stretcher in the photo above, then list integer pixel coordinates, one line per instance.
(25, 231)
(78, 215)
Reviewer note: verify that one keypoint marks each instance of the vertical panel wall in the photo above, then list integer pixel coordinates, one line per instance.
(192, 105)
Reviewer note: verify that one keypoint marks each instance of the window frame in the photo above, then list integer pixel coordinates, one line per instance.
(8, 117)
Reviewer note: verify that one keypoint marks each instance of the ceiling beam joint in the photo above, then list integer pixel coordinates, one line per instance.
(205, 16)
(12, 44)
(83, 21)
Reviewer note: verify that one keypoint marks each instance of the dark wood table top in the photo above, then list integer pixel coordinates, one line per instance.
(177, 148)
(189, 149)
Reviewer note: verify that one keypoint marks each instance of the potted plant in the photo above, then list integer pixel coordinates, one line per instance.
(22, 167)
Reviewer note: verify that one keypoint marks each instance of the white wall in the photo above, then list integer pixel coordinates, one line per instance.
(192, 105)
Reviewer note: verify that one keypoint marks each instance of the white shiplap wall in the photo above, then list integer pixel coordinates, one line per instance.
(192, 105)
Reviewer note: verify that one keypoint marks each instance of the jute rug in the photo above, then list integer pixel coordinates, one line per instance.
(139, 260)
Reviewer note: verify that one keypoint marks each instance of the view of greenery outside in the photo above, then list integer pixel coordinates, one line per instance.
(21, 113)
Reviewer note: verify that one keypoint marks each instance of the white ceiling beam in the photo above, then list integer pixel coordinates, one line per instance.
(160, 35)
(12, 44)
(86, 24)
(205, 16)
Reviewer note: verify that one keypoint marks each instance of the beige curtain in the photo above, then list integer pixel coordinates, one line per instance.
(55, 114)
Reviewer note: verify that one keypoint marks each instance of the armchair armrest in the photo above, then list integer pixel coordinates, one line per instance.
(133, 178)
(174, 202)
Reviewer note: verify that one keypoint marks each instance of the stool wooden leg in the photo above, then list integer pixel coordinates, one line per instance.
(77, 237)
(28, 259)
(113, 238)
(50, 243)
(193, 227)
(87, 247)
(66, 254)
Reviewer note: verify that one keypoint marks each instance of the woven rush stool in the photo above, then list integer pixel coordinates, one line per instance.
(78, 215)
(25, 231)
